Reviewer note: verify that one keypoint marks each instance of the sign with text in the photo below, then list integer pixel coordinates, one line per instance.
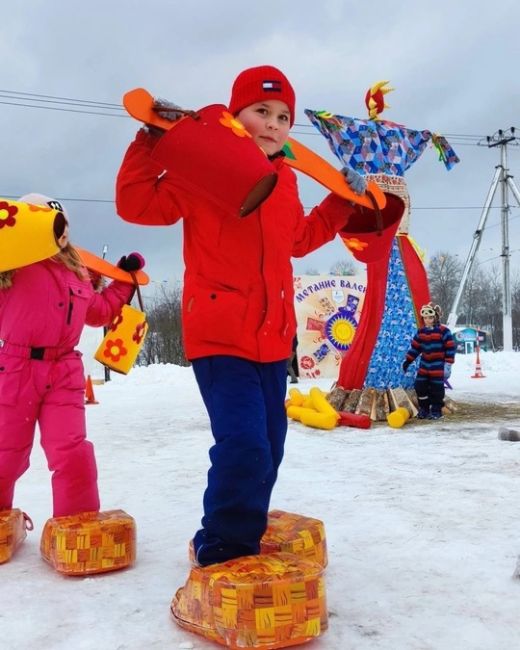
(328, 308)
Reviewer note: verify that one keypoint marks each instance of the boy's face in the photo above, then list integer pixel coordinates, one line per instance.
(429, 320)
(268, 122)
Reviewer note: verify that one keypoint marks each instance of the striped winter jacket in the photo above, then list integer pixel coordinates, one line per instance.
(436, 347)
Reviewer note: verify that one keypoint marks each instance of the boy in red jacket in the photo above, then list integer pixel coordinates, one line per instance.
(238, 313)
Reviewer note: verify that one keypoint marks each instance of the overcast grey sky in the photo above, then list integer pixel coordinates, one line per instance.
(453, 64)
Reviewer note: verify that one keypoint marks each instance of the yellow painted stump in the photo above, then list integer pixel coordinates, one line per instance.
(257, 601)
(90, 542)
(288, 532)
(14, 525)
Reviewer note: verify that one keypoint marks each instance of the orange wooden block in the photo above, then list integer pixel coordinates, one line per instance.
(257, 601)
(288, 532)
(90, 542)
(14, 525)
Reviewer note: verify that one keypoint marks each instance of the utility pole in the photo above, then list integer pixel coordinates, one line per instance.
(507, 320)
(500, 139)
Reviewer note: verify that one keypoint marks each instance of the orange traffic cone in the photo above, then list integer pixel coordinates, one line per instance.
(89, 392)
(478, 368)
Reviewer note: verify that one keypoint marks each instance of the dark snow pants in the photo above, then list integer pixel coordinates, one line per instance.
(245, 403)
(430, 393)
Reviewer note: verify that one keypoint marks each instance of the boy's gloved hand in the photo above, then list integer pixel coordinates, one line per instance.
(168, 110)
(131, 262)
(406, 365)
(447, 370)
(357, 183)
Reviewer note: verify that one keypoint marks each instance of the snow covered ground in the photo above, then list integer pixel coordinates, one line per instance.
(423, 523)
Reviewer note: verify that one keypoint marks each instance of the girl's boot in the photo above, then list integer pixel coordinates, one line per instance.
(89, 542)
(14, 525)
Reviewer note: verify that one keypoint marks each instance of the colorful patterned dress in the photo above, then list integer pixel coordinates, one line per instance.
(397, 283)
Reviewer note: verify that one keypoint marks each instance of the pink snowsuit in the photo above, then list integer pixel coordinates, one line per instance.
(42, 379)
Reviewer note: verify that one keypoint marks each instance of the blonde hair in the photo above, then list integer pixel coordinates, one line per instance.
(67, 256)
(6, 279)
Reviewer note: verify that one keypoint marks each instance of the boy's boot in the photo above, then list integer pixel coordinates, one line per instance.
(436, 413)
(423, 413)
(424, 407)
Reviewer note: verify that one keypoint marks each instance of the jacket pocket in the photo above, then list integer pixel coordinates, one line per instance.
(11, 369)
(72, 373)
(79, 295)
(215, 315)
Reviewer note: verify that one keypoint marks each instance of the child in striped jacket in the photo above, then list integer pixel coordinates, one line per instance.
(435, 345)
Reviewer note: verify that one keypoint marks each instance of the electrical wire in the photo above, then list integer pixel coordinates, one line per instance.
(433, 207)
(66, 99)
(21, 98)
(65, 110)
(64, 104)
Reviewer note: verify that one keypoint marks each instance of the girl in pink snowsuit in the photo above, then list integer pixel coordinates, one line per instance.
(43, 308)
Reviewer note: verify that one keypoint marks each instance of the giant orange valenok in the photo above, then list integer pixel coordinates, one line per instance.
(139, 104)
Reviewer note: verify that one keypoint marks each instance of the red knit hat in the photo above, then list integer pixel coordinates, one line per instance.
(260, 84)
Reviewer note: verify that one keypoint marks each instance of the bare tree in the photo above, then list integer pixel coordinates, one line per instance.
(343, 267)
(164, 341)
(474, 292)
(489, 313)
(444, 273)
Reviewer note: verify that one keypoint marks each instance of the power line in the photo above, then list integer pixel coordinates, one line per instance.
(55, 101)
(68, 99)
(454, 207)
(497, 257)
(453, 139)
(66, 198)
(22, 97)
(65, 110)
(433, 207)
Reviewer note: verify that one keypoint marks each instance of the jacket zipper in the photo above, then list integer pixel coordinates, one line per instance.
(71, 305)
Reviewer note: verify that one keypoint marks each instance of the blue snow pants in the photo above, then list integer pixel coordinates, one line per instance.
(245, 401)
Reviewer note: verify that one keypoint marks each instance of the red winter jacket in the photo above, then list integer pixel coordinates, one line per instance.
(238, 281)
